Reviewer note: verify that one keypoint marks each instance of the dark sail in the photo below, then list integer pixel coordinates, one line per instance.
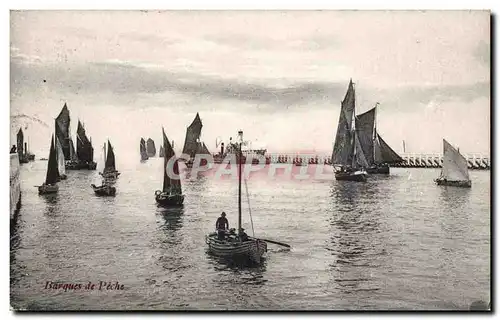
(162, 151)
(142, 148)
(170, 184)
(63, 130)
(202, 148)
(192, 135)
(342, 150)
(52, 171)
(20, 144)
(110, 159)
(150, 148)
(84, 149)
(384, 153)
(365, 126)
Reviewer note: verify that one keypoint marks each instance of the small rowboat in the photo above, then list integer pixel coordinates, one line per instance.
(234, 248)
(104, 190)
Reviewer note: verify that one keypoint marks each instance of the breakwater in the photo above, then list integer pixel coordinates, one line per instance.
(410, 160)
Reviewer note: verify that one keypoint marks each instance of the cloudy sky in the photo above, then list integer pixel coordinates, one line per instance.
(277, 75)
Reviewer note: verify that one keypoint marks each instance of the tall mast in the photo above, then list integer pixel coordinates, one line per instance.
(239, 159)
(374, 137)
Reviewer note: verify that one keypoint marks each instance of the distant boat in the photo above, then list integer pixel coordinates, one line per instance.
(22, 149)
(50, 184)
(162, 152)
(347, 153)
(109, 172)
(150, 148)
(193, 144)
(455, 171)
(84, 151)
(171, 194)
(63, 121)
(236, 246)
(61, 165)
(377, 152)
(142, 148)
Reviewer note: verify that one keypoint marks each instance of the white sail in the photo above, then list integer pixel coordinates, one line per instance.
(60, 158)
(455, 166)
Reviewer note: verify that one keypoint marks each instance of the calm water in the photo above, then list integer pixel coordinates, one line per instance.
(395, 242)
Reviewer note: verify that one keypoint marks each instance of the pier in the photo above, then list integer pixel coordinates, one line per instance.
(15, 187)
(410, 160)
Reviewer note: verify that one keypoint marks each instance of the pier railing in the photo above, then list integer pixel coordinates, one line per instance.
(410, 160)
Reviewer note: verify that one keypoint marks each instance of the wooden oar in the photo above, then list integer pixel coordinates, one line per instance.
(275, 242)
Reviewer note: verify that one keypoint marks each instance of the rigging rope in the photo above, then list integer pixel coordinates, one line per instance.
(249, 210)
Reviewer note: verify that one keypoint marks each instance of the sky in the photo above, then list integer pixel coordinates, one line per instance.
(277, 75)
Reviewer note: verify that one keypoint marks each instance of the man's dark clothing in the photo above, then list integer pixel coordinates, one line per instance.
(221, 223)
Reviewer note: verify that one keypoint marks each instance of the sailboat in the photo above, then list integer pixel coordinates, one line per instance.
(84, 149)
(142, 148)
(455, 171)
(50, 184)
(377, 152)
(162, 152)
(237, 245)
(347, 153)
(61, 165)
(106, 188)
(23, 157)
(150, 148)
(193, 144)
(171, 194)
(109, 171)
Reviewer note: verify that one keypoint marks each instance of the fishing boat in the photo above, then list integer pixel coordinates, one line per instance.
(61, 164)
(50, 184)
(23, 157)
(236, 246)
(109, 172)
(171, 194)
(142, 148)
(150, 148)
(193, 144)
(84, 149)
(202, 149)
(379, 155)
(104, 190)
(348, 156)
(63, 121)
(454, 171)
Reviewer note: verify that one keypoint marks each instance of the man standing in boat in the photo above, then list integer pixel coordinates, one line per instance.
(222, 225)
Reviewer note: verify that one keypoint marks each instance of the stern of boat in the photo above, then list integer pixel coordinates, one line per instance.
(48, 189)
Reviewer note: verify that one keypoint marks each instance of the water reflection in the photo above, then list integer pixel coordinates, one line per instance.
(455, 198)
(355, 242)
(171, 242)
(231, 271)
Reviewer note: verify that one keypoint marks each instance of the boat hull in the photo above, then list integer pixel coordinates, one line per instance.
(250, 250)
(110, 175)
(382, 169)
(80, 165)
(104, 190)
(48, 189)
(448, 183)
(169, 200)
(358, 176)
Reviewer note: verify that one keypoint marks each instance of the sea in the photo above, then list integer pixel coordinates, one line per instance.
(396, 242)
